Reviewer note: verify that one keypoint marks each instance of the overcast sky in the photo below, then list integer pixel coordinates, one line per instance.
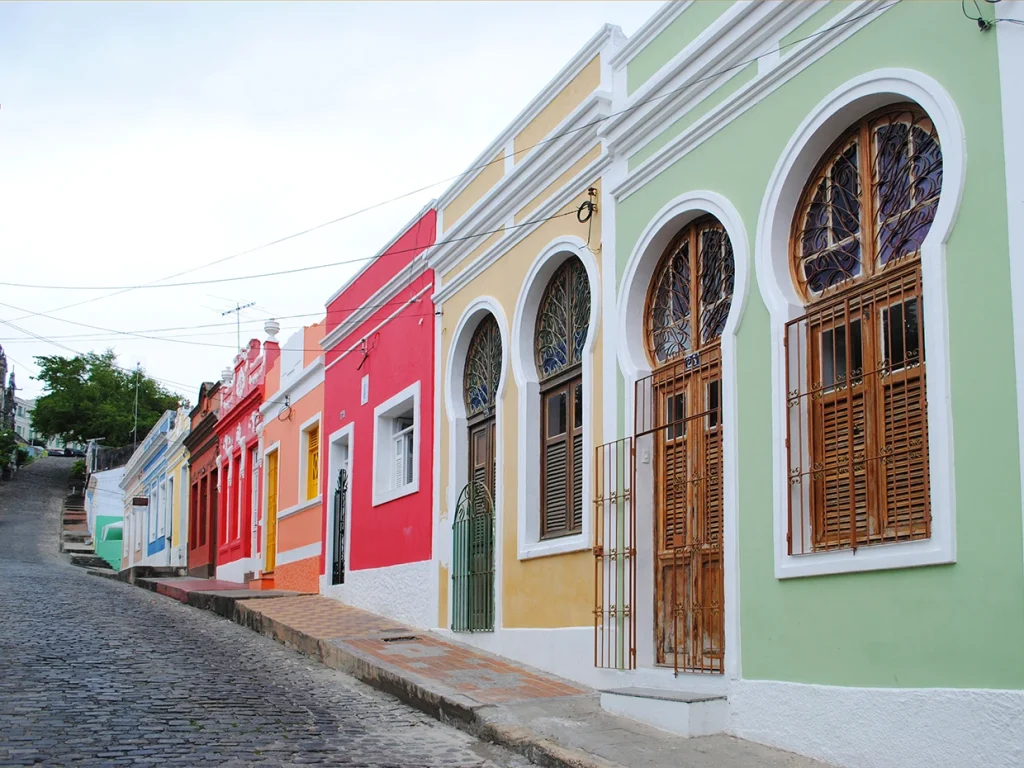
(139, 140)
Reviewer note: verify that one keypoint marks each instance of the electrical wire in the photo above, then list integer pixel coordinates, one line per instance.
(554, 137)
(985, 24)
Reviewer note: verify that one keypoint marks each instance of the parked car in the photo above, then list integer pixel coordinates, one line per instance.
(74, 452)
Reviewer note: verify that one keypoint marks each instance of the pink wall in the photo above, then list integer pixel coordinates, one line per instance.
(401, 353)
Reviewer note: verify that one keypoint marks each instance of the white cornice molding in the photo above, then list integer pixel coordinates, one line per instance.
(563, 196)
(608, 36)
(308, 379)
(718, 53)
(651, 28)
(799, 58)
(386, 293)
(402, 232)
(530, 177)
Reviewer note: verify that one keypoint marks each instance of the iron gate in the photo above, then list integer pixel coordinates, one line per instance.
(340, 505)
(473, 561)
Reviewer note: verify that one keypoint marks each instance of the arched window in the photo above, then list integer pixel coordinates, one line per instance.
(562, 323)
(857, 415)
(679, 405)
(483, 368)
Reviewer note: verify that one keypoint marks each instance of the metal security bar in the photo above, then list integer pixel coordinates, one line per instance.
(614, 557)
(678, 414)
(473, 561)
(340, 508)
(856, 418)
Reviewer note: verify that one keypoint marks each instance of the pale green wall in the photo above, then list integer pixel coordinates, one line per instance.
(672, 40)
(955, 626)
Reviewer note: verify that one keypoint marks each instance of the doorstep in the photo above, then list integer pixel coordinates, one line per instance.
(551, 721)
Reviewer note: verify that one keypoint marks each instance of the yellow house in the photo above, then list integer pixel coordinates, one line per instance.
(521, 356)
(177, 485)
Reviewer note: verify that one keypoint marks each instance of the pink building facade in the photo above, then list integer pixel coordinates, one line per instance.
(378, 430)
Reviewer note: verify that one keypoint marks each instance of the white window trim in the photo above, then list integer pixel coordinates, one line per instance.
(524, 368)
(383, 412)
(632, 357)
(458, 438)
(840, 109)
(304, 427)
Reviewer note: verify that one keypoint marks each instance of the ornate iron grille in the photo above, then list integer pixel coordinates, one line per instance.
(678, 418)
(563, 319)
(340, 506)
(869, 204)
(614, 556)
(697, 269)
(473, 561)
(857, 418)
(483, 368)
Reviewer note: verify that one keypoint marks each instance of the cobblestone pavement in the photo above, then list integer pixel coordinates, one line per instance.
(95, 672)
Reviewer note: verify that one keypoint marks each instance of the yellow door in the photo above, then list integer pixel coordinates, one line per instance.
(271, 512)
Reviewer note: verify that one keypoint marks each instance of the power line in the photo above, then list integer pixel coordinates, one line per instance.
(643, 102)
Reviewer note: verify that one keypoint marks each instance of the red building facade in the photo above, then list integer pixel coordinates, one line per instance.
(201, 444)
(379, 432)
(238, 518)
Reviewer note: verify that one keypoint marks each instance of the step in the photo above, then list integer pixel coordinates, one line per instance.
(89, 561)
(679, 712)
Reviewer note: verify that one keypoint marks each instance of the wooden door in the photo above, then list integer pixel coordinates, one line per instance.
(271, 512)
(689, 610)
(481, 456)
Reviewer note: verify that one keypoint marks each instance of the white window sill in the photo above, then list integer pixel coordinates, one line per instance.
(296, 508)
(560, 546)
(879, 557)
(383, 497)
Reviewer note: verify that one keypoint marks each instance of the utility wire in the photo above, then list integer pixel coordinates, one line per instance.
(643, 102)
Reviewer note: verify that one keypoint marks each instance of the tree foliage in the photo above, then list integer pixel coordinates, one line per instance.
(89, 396)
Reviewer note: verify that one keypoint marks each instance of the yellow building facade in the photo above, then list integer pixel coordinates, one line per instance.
(521, 357)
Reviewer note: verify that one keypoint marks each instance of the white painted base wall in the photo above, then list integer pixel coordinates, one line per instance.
(400, 592)
(236, 571)
(881, 727)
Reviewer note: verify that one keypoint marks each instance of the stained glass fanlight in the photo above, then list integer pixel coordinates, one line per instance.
(483, 367)
(870, 203)
(563, 319)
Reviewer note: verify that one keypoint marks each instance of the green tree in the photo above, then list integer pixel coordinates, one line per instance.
(90, 396)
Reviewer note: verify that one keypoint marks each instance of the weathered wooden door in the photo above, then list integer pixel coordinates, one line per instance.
(689, 616)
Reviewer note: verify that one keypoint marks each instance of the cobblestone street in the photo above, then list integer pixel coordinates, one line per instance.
(95, 672)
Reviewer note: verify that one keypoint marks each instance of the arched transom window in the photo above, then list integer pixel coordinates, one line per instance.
(856, 396)
(697, 270)
(563, 320)
(483, 368)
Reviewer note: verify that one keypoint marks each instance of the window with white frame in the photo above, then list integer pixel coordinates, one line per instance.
(396, 442)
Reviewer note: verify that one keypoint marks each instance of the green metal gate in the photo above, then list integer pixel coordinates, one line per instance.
(473, 561)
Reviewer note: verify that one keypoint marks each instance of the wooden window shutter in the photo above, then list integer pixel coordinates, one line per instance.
(313, 463)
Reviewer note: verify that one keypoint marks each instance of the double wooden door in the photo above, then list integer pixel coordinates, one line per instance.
(689, 609)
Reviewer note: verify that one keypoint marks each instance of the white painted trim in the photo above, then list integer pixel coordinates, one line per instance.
(386, 293)
(413, 299)
(345, 434)
(440, 538)
(558, 200)
(304, 427)
(383, 412)
(576, 135)
(606, 41)
(295, 509)
(883, 727)
(524, 369)
(632, 356)
(1010, 41)
(826, 122)
(309, 379)
(649, 30)
(299, 553)
(458, 437)
(402, 232)
(800, 57)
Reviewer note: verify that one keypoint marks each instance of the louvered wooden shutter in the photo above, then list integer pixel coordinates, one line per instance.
(712, 486)
(841, 482)
(906, 444)
(555, 497)
(313, 463)
(577, 482)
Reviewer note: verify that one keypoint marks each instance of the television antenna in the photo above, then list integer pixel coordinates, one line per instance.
(238, 320)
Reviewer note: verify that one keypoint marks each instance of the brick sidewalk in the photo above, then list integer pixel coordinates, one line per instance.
(551, 721)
